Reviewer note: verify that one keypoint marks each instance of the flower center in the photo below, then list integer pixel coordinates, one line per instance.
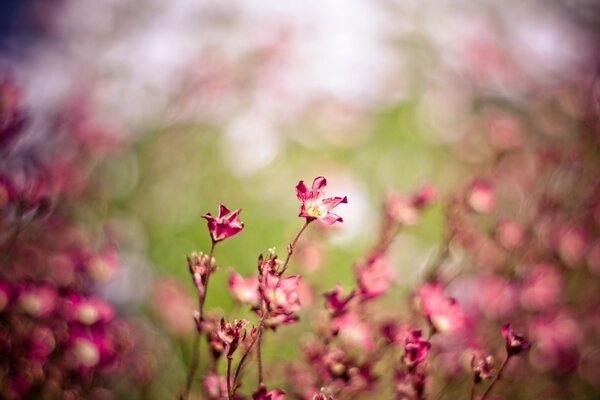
(315, 208)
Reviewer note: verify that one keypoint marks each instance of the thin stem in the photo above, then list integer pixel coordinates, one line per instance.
(258, 355)
(229, 392)
(241, 363)
(497, 378)
(472, 395)
(196, 346)
(291, 246)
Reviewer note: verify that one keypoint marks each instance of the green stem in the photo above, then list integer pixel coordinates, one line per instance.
(196, 346)
(291, 246)
(229, 392)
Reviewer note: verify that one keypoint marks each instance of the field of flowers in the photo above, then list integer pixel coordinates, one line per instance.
(315, 200)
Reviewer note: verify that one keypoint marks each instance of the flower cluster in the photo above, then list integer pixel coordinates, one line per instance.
(59, 336)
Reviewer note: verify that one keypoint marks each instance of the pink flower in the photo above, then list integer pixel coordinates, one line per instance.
(558, 338)
(231, 334)
(415, 349)
(314, 205)
(243, 290)
(38, 301)
(482, 366)
(510, 234)
(374, 276)
(515, 343)
(481, 198)
(225, 225)
(200, 266)
(404, 209)
(352, 331)
(215, 386)
(281, 294)
(335, 302)
(443, 312)
(572, 244)
(322, 396)
(262, 394)
(281, 297)
(542, 288)
(87, 311)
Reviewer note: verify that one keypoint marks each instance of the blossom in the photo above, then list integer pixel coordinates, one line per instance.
(87, 310)
(225, 225)
(281, 294)
(515, 343)
(374, 276)
(262, 394)
(481, 198)
(482, 366)
(415, 349)
(443, 312)
(405, 210)
(244, 290)
(231, 334)
(542, 287)
(314, 205)
(335, 302)
(351, 330)
(200, 266)
(215, 386)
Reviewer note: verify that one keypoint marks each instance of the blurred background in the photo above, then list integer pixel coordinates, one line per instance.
(186, 104)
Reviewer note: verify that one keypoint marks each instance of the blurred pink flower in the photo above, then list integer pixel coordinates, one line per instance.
(514, 343)
(243, 290)
(542, 287)
(281, 297)
(415, 349)
(572, 244)
(443, 312)
(335, 302)
(351, 330)
(480, 197)
(374, 276)
(225, 225)
(404, 209)
(314, 205)
(263, 394)
(510, 234)
(86, 310)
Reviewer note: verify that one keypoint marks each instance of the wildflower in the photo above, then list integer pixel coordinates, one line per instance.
(415, 349)
(443, 312)
(200, 267)
(225, 225)
(514, 343)
(262, 394)
(542, 287)
(481, 197)
(374, 276)
(270, 264)
(351, 330)
(482, 367)
(215, 386)
(244, 290)
(335, 302)
(314, 205)
(510, 234)
(231, 334)
(405, 209)
(281, 295)
(87, 311)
